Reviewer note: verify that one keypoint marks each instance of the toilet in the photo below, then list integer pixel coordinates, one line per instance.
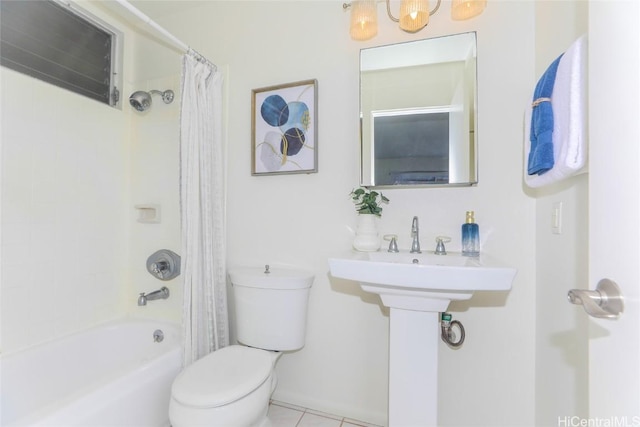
(232, 386)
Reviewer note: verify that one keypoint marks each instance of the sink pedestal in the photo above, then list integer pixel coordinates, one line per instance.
(413, 368)
(416, 288)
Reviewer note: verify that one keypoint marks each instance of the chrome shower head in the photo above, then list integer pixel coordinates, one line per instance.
(141, 100)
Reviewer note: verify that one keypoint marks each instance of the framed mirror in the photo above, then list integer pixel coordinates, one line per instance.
(418, 113)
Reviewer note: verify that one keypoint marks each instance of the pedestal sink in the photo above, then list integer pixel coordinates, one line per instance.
(416, 287)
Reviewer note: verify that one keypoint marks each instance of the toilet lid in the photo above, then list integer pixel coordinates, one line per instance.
(222, 377)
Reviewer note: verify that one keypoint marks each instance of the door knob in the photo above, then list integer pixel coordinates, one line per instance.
(605, 302)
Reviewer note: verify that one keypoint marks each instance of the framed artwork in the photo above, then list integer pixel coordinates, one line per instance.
(284, 129)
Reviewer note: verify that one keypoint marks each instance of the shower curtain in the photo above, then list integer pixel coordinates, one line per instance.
(202, 198)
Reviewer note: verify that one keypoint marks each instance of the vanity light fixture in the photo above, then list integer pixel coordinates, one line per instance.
(364, 19)
(467, 9)
(414, 15)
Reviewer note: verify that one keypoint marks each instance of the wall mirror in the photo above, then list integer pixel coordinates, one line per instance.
(418, 110)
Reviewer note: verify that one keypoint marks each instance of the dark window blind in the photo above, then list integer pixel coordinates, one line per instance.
(46, 40)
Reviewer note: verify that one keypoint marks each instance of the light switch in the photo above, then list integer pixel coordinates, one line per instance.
(556, 218)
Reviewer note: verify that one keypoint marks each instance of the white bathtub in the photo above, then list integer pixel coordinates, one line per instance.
(110, 375)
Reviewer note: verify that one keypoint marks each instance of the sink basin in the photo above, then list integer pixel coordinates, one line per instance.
(426, 281)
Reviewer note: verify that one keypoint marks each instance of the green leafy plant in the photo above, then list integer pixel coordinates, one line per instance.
(368, 201)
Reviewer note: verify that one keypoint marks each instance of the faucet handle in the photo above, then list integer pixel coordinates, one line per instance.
(393, 243)
(440, 241)
(160, 268)
(164, 264)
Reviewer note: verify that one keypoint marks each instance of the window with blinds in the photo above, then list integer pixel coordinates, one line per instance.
(62, 45)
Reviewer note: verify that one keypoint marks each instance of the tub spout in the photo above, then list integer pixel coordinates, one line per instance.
(162, 293)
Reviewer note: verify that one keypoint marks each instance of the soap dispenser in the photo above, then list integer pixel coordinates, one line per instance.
(470, 236)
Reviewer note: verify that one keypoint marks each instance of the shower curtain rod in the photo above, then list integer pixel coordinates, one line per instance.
(166, 34)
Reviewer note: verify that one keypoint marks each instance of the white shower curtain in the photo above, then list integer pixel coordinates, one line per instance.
(202, 199)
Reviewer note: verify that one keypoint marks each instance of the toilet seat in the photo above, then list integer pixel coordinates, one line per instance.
(222, 377)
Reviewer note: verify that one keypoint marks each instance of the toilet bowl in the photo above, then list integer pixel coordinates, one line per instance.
(229, 387)
(232, 386)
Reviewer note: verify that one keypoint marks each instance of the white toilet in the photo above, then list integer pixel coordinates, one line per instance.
(232, 386)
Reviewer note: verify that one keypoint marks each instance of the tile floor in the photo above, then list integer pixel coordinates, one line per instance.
(285, 415)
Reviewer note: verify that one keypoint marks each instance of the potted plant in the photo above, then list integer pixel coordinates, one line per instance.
(368, 201)
(368, 207)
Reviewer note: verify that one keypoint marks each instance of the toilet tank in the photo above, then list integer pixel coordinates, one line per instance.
(271, 306)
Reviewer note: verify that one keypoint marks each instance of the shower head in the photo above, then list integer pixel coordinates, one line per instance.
(141, 100)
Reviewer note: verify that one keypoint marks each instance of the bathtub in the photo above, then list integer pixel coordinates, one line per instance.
(114, 374)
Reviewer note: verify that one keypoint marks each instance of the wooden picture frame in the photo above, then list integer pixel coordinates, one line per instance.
(284, 129)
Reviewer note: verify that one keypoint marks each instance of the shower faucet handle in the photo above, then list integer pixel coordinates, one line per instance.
(164, 264)
(160, 268)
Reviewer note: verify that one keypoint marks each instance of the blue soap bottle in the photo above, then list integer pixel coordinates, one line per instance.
(470, 236)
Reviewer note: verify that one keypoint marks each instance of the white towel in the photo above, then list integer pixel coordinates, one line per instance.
(569, 101)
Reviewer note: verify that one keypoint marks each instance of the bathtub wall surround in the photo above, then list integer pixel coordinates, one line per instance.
(153, 190)
(117, 373)
(201, 226)
(64, 197)
(67, 193)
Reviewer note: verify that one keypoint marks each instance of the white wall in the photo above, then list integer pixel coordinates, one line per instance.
(304, 219)
(562, 259)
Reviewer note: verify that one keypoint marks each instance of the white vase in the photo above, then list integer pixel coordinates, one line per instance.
(367, 238)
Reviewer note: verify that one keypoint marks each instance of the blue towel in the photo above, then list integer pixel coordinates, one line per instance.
(541, 155)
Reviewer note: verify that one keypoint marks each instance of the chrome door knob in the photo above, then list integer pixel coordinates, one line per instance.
(605, 302)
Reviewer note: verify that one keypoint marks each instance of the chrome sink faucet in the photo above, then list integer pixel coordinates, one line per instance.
(415, 234)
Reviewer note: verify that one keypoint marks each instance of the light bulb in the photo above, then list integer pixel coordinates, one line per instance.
(414, 15)
(364, 19)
